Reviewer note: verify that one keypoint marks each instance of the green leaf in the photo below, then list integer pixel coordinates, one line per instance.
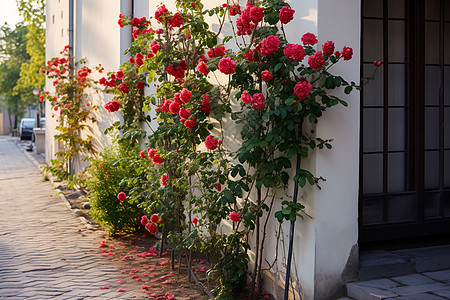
(302, 181)
(278, 66)
(348, 89)
(279, 216)
(289, 101)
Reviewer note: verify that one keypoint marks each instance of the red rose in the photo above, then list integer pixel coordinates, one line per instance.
(140, 85)
(123, 87)
(131, 60)
(160, 12)
(234, 216)
(257, 101)
(120, 74)
(211, 142)
(245, 97)
(151, 228)
(174, 108)
(202, 68)
(302, 89)
(328, 48)
(155, 46)
(120, 22)
(194, 220)
(143, 154)
(102, 81)
(112, 106)
(184, 113)
(135, 33)
(270, 45)
(347, 53)
(176, 20)
(226, 66)
(256, 14)
(157, 160)
(121, 196)
(151, 152)
(266, 75)
(309, 39)
(316, 61)
(163, 180)
(216, 52)
(294, 51)
(185, 95)
(234, 10)
(190, 124)
(136, 22)
(159, 31)
(286, 14)
(144, 220)
(249, 55)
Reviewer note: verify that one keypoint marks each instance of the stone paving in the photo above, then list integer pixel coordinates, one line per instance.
(42, 256)
(418, 286)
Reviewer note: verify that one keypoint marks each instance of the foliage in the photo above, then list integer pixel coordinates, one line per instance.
(73, 107)
(33, 12)
(105, 179)
(13, 56)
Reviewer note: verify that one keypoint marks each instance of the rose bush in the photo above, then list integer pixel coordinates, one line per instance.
(279, 86)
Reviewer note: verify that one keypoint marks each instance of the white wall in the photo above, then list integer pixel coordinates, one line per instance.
(56, 37)
(337, 202)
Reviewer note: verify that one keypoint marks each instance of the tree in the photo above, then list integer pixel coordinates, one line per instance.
(33, 13)
(13, 56)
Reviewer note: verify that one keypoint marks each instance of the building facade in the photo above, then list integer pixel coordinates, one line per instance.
(388, 175)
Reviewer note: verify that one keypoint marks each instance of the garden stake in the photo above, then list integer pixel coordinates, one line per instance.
(291, 235)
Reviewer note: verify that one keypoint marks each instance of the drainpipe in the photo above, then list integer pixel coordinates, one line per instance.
(126, 38)
(291, 231)
(72, 63)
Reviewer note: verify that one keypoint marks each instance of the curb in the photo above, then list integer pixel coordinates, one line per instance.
(66, 202)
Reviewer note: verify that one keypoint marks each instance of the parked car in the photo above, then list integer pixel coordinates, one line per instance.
(26, 128)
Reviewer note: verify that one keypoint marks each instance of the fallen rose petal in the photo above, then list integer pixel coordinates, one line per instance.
(120, 280)
(104, 287)
(134, 251)
(162, 277)
(152, 269)
(110, 253)
(91, 250)
(123, 271)
(103, 254)
(144, 274)
(169, 275)
(79, 230)
(203, 269)
(121, 290)
(138, 279)
(146, 267)
(153, 295)
(170, 296)
(164, 253)
(134, 270)
(152, 249)
(83, 235)
(145, 287)
(133, 276)
(167, 282)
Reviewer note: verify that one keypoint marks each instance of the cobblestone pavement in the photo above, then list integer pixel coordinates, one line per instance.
(42, 256)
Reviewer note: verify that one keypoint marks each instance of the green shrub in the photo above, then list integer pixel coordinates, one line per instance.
(106, 179)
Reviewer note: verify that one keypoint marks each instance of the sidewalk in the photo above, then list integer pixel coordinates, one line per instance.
(42, 253)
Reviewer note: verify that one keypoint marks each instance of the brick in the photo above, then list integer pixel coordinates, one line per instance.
(417, 289)
(362, 292)
(439, 275)
(420, 296)
(413, 279)
(443, 293)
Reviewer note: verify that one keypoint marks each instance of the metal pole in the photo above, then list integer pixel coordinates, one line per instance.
(291, 235)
